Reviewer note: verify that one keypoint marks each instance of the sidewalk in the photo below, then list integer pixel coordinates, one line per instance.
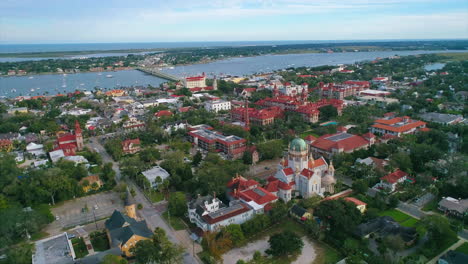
(452, 247)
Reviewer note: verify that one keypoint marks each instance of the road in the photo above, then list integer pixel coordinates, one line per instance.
(149, 213)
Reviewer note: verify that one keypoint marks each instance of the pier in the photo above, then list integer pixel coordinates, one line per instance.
(160, 74)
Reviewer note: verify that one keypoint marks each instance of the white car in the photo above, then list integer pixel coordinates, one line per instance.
(57, 217)
(96, 207)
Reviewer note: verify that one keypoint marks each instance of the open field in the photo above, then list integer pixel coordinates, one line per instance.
(457, 56)
(402, 218)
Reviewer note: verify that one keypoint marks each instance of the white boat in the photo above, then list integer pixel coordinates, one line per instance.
(109, 76)
(32, 89)
(81, 84)
(99, 74)
(171, 68)
(64, 74)
(64, 85)
(31, 77)
(38, 88)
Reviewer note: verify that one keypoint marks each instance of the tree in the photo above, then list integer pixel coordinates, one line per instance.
(278, 211)
(360, 186)
(328, 112)
(271, 149)
(438, 232)
(340, 215)
(235, 233)
(312, 228)
(285, 243)
(247, 157)
(177, 204)
(311, 202)
(157, 250)
(113, 259)
(197, 159)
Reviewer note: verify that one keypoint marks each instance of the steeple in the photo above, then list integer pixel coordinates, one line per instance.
(275, 91)
(215, 83)
(330, 167)
(79, 136)
(246, 119)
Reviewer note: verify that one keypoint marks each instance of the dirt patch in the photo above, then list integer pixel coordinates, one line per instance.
(246, 252)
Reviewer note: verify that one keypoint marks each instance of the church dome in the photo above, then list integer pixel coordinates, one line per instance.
(298, 144)
(328, 180)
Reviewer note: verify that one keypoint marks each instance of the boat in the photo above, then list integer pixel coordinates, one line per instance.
(30, 77)
(32, 90)
(64, 85)
(109, 76)
(64, 74)
(81, 84)
(99, 74)
(171, 68)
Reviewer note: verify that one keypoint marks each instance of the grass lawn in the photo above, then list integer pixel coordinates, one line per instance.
(326, 254)
(305, 134)
(79, 247)
(154, 196)
(39, 235)
(176, 222)
(400, 217)
(431, 206)
(99, 241)
(463, 248)
(411, 222)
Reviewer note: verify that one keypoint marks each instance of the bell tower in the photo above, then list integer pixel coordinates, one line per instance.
(79, 136)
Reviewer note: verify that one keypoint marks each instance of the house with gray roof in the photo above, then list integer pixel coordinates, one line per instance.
(455, 207)
(385, 226)
(124, 232)
(445, 119)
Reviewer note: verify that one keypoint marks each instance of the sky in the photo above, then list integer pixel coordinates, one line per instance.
(90, 21)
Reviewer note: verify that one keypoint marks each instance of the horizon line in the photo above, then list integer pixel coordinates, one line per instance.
(228, 41)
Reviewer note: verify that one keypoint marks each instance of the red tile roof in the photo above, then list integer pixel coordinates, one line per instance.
(258, 195)
(288, 171)
(355, 201)
(307, 173)
(163, 113)
(347, 144)
(394, 176)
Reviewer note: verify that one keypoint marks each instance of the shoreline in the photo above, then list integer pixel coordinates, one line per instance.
(233, 57)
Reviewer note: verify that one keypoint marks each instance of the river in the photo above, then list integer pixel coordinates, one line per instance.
(57, 83)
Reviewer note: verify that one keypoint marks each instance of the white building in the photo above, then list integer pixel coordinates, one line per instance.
(35, 149)
(300, 174)
(217, 105)
(210, 214)
(154, 173)
(196, 81)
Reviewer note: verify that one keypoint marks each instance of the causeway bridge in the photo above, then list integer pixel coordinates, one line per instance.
(160, 74)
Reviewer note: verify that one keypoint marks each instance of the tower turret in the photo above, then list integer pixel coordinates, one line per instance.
(79, 136)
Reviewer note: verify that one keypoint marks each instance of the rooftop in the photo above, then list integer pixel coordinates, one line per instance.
(53, 250)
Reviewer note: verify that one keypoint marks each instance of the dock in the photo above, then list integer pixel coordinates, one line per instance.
(160, 74)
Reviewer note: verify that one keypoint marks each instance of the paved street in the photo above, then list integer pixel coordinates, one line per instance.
(149, 213)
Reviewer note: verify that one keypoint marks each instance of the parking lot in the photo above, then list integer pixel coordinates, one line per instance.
(74, 212)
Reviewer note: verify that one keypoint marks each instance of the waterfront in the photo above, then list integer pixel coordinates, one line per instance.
(52, 84)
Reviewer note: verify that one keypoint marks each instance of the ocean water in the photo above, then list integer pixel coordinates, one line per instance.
(58, 83)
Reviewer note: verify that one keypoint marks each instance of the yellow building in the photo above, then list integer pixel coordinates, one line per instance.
(300, 213)
(92, 182)
(360, 205)
(125, 232)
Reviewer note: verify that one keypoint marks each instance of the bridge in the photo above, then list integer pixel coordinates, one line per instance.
(160, 74)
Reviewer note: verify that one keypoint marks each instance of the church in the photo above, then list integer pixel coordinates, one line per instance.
(70, 143)
(300, 174)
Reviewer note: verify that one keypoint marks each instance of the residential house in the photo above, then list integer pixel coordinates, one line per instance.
(163, 113)
(92, 182)
(455, 207)
(57, 249)
(156, 175)
(131, 146)
(35, 149)
(390, 181)
(386, 226)
(125, 232)
(376, 163)
(217, 105)
(300, 213)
